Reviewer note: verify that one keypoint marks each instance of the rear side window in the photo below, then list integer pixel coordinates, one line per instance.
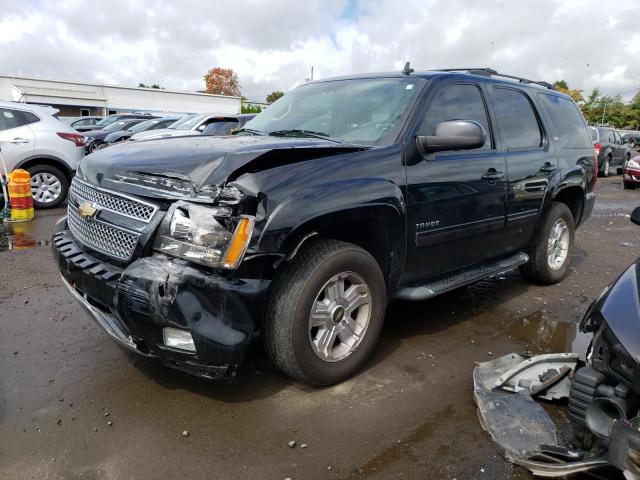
(568, 122)
(519, 122)
(15, 118)
(457, 102)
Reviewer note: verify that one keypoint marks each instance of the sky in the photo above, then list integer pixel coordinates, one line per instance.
(272, 44)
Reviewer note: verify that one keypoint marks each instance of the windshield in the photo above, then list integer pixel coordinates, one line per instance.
(107, 120)
(362, 111)
(146, 125)
(115, 126)
(189, 122)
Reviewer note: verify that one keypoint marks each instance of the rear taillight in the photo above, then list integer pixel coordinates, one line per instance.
(597, 147)
(73, 137)
(595, 170)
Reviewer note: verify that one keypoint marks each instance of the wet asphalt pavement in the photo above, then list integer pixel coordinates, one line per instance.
(75, 405)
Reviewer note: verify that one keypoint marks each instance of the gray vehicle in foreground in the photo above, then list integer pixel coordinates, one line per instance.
(50, 150)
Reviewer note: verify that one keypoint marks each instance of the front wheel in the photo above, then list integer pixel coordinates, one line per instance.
(325, 313)
(629, 186)
(553, 247)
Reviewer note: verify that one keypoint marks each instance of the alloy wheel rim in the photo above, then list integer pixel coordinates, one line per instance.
(340, 316)
(558, 246)
(45, 187)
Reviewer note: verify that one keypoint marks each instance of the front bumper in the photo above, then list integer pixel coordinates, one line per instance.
(631, 175)
(134, 304)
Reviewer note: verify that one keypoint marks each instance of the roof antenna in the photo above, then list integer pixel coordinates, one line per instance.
(407, 68)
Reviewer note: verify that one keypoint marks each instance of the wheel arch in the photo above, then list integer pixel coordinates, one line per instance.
(50, 161)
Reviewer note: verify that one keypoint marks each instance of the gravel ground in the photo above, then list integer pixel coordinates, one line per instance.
(75, 405)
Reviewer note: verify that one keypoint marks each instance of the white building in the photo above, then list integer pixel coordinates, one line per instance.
(76, 99)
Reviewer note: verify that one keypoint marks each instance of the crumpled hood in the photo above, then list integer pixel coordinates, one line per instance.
(191, 167)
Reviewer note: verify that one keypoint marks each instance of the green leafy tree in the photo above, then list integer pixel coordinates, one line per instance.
(273, 96)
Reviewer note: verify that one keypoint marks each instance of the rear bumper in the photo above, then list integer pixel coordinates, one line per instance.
(135, 303)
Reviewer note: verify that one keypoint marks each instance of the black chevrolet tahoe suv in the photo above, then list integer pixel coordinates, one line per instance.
(344, 195)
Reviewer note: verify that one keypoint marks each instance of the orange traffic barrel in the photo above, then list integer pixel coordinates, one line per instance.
(20, 197)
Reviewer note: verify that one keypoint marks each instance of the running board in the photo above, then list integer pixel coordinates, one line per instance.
(430, 290)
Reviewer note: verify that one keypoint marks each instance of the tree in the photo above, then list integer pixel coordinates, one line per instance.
(222, 81)
(563, 86)
(273, 96)
(250, 109)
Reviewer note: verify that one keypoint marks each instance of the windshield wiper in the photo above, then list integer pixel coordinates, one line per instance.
(249, 130)
(303, 133)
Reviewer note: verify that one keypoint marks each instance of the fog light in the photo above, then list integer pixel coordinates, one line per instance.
(180, 339)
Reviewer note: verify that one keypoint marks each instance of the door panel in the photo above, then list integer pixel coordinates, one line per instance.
(529, 163)
(455, 200)
(17, 140)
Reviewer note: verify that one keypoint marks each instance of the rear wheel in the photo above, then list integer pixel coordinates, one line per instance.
(624, 163)
(632, 143)
(326, 312)
(49, 186)
(553, 247)
(606, 167)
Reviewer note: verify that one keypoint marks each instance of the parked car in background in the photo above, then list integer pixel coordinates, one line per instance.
(632, 139)
(193, 124)
(227, 125)
(611, 150)
(50, 150)
(108, 120)
(631, 174)
(80, 122)
(94, 139)
(144, 126)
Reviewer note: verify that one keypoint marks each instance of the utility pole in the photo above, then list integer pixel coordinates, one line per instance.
(312, 73)
(603, 111)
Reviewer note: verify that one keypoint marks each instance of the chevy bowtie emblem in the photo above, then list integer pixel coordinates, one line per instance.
(87, 210)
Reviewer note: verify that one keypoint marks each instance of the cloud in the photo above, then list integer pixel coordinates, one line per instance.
(272, 44)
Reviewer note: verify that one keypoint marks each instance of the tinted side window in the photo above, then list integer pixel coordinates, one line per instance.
(15, 118)
(457, 102)
(568, 123)
(518, 120)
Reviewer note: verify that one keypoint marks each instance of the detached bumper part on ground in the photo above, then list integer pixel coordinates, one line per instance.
(504, 391)
(134, 305)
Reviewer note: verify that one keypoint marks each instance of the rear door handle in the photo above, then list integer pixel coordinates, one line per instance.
(19, 140)
(493, 174)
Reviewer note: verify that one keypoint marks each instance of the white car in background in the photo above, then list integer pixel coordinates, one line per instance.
(193, 124)
(31, 138)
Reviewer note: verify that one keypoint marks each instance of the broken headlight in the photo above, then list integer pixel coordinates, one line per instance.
(206, 235)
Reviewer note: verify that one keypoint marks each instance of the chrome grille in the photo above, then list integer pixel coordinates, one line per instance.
(103, 237)
(112, 201)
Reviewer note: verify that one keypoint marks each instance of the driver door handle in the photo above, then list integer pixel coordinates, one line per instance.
(19, 140)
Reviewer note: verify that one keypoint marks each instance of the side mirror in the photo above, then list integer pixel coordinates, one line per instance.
(635, 216)
(453, 135)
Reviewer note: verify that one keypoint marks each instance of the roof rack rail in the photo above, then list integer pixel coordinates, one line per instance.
(490, 72)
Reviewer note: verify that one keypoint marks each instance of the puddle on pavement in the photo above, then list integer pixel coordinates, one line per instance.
(543, 334)
(20, 236)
